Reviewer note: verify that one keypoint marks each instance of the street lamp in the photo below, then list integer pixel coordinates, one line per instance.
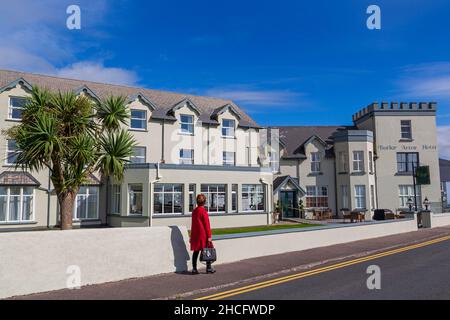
(426, 203)
(410, 204)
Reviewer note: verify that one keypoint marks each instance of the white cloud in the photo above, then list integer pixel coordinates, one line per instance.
(256, 97)
(96, 71)
(36, 40)
(444, 141)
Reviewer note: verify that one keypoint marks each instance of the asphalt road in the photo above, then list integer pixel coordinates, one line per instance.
(422, 273)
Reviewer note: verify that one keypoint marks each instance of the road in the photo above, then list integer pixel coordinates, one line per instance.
(416, 273)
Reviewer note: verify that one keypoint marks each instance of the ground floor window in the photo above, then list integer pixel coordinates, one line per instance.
(16, 204)
(406, 192)
(252, 197)
(135, 192)
(86, 204)
(234, 197)
(360, 196)
(344, 195)
(316, 197)
(115, 198)
(168, 198)
(215, 197)
(192, 195)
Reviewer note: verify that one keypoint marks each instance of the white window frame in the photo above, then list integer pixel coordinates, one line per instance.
(315, 161)
(86, 196)
(184, 159)
(317, 192)
(360, 198)
(358, 161)
(192, 196)
(137, 157)
(228, 131)
(168, 190)
(16, 151)
(11, 108)
(406, 134)
(274, 161)
(8, 200)
(116, 198)
(130, 193)
(234, 195)
(404, 196)
(144, 120)
(189, 124)
(213, 191)
(258, 190)
(344, 195)
(226, 161)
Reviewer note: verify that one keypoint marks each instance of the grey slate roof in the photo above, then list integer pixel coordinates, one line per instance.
(294, 138)
(444, 166)
(164, 101)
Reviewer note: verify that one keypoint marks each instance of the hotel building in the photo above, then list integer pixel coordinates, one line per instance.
(189, 144)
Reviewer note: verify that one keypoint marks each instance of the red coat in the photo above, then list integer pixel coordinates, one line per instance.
(200, 229)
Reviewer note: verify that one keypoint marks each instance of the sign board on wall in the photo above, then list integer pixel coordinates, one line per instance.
(423, 175)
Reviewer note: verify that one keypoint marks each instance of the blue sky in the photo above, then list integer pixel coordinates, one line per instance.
(284, 62)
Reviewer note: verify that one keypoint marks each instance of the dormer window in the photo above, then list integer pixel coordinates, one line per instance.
(315, 161)
(138, 119)
(186, 124)
(228, 128)
(16, 105)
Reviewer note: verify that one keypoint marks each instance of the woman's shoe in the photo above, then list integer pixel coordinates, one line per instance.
(195, 271)
(210, 270)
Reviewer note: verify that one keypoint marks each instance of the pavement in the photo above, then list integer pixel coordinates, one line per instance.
(348, 282)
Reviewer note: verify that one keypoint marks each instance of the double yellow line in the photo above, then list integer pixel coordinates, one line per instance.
(273, 282)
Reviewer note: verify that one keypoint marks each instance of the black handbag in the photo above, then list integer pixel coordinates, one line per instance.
(208, 254)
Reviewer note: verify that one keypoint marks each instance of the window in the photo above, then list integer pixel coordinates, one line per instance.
(406, 132)
(135, 199)
(358, 161)
(229, 158)
(215, 197)
(372, 197)
(234, 197)
(186, 124)
(16, 204)
(344, 195)
(86, 205)
(406, 192)
(11, 152)
(274, 162)
(115, 198)
(186, 156)
(343, 162)
(315, 161)
(316, 197)
(360, 196)
(168, 198)
(16, 105)
(407, 162)
(192, 197)
(138, 155)
(252, 197)
(138, 119)
(228, 128)
(370, 162)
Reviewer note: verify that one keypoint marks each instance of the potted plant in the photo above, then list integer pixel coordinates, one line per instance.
(276, 213)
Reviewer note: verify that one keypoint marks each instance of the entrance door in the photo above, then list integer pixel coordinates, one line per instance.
(288, 204)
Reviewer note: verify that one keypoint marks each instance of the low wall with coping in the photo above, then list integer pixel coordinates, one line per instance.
(238, 247)
(41, 261)
(440, 220)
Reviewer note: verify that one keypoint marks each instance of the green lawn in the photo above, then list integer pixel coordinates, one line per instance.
(223, 231)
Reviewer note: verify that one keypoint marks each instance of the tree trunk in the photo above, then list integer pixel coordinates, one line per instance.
(66, 202)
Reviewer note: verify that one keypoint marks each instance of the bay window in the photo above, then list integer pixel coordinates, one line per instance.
(16, 204)
(86, 204)
(358, 161)
(252, 197)
(360, 196)
(135, 192)
(168, 198)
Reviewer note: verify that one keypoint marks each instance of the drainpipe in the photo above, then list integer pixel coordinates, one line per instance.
(162, 143)
(158, 178)
(48, 199)
(268, 206)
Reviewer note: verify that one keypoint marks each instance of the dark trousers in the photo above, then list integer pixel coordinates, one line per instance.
(195, 258)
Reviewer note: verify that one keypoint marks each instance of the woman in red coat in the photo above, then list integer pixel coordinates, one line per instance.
(200, 233)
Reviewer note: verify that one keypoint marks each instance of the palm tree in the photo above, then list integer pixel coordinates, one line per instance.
(74, 138)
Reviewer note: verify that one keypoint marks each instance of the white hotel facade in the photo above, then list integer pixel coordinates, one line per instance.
(190, 144)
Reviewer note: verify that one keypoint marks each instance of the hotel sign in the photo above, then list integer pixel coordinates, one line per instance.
(423, 175)
(403, 147)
